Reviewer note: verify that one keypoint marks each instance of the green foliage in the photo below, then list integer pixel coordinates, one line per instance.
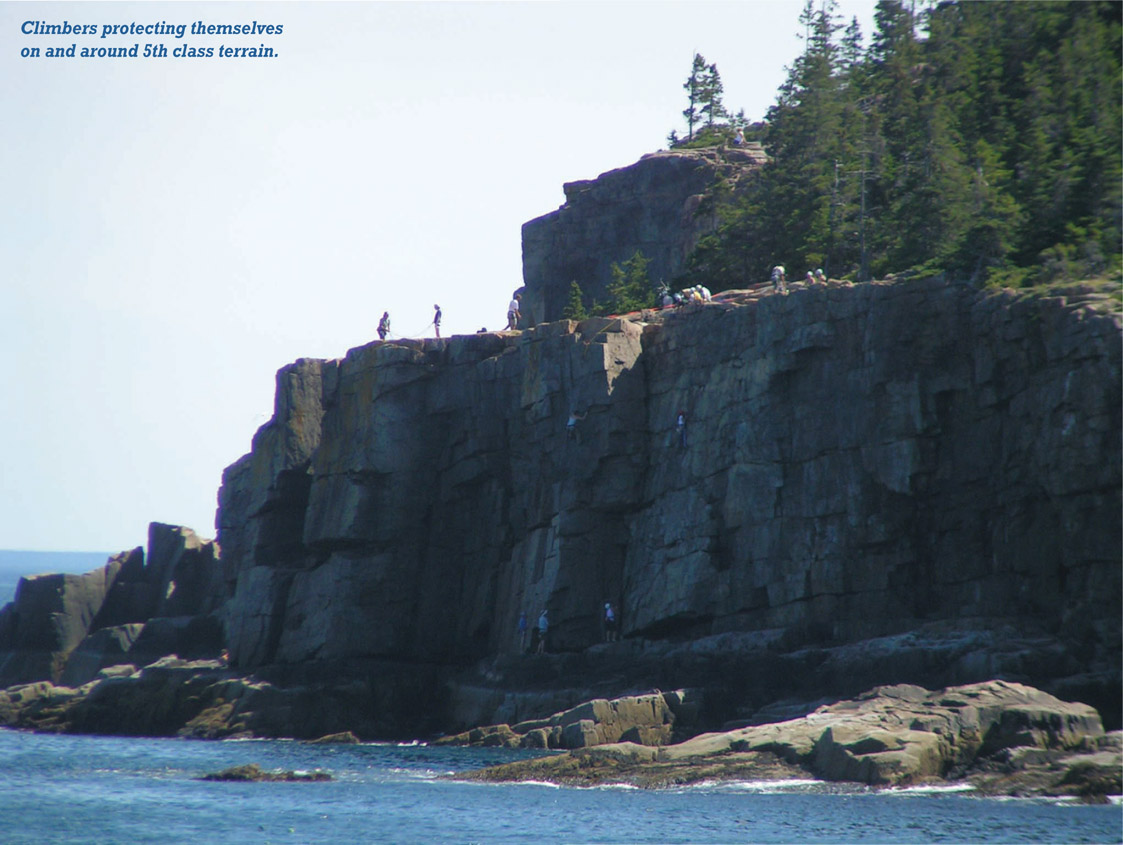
(704, 92)
(630, 289)
(981, 139)
(575, 305)
(693, 87)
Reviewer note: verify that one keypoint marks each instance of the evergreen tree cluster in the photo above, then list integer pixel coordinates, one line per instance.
(707, 120)
(629, 290)
(980, 139)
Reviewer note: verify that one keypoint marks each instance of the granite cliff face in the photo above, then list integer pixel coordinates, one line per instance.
(660, 206)
(861, 462)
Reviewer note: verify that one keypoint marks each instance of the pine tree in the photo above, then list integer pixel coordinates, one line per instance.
(693, 88)
(630, 289)
(575, 306)
(711, 94)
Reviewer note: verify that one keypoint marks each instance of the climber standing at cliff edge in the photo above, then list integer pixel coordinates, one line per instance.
(779, 279)
(384, 325)
(437, 319)
(513, 313)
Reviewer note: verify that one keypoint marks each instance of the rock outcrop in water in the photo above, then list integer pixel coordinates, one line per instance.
(1002, 738)
(65, 628)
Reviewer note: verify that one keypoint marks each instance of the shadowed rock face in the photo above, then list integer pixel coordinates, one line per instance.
(860, 461)
(64, 628)
(49, 617)
(660, 206)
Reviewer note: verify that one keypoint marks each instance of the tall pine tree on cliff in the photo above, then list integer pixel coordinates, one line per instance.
(693, 87)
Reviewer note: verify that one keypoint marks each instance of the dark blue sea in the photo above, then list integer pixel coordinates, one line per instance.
(70, 789)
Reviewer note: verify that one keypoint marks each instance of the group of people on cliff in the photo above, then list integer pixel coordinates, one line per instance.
(667, 298)
(513, 315)
(539, 633)
(812, 278)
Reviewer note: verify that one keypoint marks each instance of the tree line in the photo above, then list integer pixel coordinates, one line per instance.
(984, 140)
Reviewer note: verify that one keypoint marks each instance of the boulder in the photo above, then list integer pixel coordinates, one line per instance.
(643, 719)
(100, 650)
(904, 734)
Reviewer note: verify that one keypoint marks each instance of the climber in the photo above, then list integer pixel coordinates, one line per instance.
(820, 277)
(543, 627)
(522, 632)
(571, 424)
(384, 325)
(779, 283)
(609, 623)
(680, 425)
(437, 319)
(513, 312)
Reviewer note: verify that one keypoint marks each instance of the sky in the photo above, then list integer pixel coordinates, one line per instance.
(175, 229)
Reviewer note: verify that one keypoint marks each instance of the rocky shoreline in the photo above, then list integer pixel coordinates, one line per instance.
(996, 738)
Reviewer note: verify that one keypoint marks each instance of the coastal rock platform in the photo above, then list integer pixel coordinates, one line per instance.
(999, 737)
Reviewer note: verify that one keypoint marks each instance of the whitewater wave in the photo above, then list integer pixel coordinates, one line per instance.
(930, 789)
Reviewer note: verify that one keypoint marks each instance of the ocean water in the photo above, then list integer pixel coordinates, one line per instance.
(82, 789)
(16, 564)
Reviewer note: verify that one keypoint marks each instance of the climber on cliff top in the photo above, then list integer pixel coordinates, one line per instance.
(513, 313)
(779, 282)
(384, 325)
(437, 319)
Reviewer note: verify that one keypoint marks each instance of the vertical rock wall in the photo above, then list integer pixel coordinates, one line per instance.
(660, 206)
(859, 461)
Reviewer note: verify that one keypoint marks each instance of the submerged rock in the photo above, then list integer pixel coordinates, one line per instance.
(254, 773)
(344, 738)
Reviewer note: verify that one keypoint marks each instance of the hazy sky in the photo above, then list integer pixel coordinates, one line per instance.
(176, 229)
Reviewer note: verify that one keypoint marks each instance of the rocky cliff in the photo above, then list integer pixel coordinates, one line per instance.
(66, 628)
(660, 206)
(907, 481)
(861, 462)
